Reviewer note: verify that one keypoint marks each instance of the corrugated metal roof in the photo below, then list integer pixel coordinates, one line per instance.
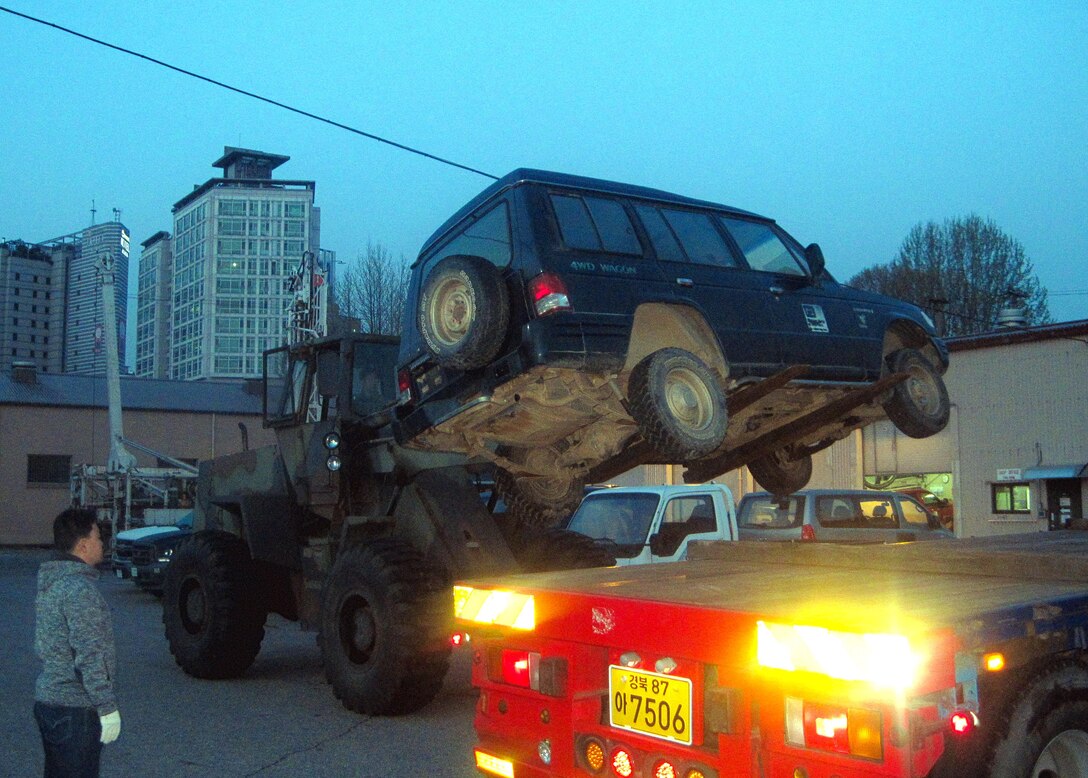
(1075, 330)
(84, 391)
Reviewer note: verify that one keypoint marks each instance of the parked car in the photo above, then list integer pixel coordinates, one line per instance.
(840, 515)
(568, 329)
(942, 506)
(142, 554)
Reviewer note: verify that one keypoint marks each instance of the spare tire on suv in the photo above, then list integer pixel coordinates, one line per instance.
(463, 312)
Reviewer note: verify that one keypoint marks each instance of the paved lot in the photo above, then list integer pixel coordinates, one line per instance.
(281, 719)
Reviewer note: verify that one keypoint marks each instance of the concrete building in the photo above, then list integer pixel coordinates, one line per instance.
(153, 319)
(50, 422)
(32, 284)
(237, 241)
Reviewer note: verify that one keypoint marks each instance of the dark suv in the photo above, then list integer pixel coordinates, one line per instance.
(568, 329)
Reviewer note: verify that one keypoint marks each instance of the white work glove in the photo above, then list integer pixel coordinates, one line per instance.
(111, 726)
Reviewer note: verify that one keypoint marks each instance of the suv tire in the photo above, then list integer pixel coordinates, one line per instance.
(780, 472)
(537, 500)
(678, 404)
(384, 621)
(464, 310)
(919, 406)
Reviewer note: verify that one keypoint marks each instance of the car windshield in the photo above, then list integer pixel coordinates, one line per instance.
(767, 512)
(622, 518)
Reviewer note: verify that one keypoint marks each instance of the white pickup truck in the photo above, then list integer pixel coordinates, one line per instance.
(646, 524)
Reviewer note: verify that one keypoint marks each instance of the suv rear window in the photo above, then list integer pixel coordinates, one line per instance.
(487, 237)
(850, 512)
(595, 224)
(768, 513)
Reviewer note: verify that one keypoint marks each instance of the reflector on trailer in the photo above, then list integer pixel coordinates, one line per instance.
(494, 765)
(494, 606)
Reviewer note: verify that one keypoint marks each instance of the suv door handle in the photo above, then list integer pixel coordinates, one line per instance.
(685, 282)
(775, 289)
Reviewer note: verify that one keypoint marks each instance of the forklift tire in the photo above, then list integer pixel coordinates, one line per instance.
(537, 501)
(678, 404)
(540, 550)
(780, 473)
(464, 310)
(385, 625)
(211, 609)
(919, 406)
(1045, 730)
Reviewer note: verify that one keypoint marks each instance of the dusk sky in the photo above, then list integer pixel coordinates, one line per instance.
(846, 122)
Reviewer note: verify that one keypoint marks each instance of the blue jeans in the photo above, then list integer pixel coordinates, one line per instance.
(71, 738)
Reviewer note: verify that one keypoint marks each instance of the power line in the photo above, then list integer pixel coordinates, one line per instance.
(254, 95)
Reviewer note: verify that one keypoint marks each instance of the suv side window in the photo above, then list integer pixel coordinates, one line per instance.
(913, 513)
(595, 224)
(837, 511)
(700, 239)
(487, 237)
(762, 247)
(664, 242)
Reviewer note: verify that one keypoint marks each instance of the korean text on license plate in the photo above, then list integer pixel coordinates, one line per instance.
(650, 703)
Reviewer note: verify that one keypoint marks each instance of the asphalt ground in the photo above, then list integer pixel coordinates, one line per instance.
(280, 719)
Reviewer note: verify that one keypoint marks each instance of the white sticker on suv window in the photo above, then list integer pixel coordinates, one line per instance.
(814, 318)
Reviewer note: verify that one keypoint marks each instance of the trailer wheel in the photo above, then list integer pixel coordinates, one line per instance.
(782, 471)
(539, 501)
(463, 312)
(212, 611)
(385, 623)
(678, 404)
(919, 407)
(539, 550)
(1045, 732)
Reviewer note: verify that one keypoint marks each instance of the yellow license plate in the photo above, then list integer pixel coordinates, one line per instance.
(650, 703)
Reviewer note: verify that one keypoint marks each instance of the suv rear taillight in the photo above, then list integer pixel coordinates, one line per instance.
(549, 294)
(807, 532)
(404, 386)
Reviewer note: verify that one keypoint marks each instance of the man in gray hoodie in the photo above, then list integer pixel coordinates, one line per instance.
(74, 702)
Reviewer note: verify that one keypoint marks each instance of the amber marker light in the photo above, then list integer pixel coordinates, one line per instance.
(494, 765)
(994, 663)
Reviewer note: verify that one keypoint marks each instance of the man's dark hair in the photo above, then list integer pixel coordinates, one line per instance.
(70, 526)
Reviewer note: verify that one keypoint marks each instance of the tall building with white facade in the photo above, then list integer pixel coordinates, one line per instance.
(237, 242)
(155, 285)
(84, 325)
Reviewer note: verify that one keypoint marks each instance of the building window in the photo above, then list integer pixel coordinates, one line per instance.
(48, 469)
(1011, 498)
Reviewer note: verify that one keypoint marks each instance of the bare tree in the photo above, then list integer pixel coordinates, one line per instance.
(374, 289)
(966, 269)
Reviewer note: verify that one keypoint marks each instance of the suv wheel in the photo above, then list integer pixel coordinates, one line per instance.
(781, 472)
(678, 404)
(919, 406)
(463, 312)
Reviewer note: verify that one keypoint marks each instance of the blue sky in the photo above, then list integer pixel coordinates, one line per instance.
(847, 122)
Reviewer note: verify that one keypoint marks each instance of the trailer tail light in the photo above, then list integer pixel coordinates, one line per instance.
(836, 728)
(519, 668)
(622, 762)
(663, 768)
(593, 754)
(489, 763)
(807, 532)
(549, 294)
(963, 722)
(880, 659)
(494, 606)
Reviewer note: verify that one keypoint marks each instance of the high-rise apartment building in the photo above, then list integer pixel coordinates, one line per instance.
(32, 304)
(155, 285)
(237, 242)
(84, 325)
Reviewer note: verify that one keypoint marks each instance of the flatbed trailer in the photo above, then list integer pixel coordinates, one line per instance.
(955, 658)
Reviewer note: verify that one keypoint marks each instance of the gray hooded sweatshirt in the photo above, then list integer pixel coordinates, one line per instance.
(73, 636)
